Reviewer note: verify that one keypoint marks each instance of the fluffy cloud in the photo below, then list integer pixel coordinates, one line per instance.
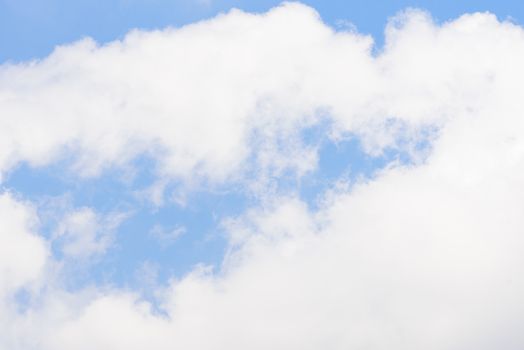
(425, 255)
(22, 254)
(207, 100)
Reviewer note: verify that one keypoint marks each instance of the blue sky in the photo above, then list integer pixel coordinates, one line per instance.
(262, 169)
(31, 28)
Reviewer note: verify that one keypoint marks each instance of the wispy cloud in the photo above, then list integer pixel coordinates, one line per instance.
(166, 237)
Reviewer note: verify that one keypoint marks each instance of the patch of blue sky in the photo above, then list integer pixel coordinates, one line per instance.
(344, 159)
(32, 28)
(194, 235)
(200, 241)
(23, 300)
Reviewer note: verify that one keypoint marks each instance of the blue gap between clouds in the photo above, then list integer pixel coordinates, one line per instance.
(204, 241)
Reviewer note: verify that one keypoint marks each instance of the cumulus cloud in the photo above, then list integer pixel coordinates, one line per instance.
(424, 255)
(23, 256)
(23, 253)
(198, 99)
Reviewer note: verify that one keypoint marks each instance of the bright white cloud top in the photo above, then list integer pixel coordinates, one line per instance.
(425, 254)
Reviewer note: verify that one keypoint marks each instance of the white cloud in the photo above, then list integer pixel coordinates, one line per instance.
(22, 254)
(426, 255)
(83, 233)
(197, 99)
(165, 236)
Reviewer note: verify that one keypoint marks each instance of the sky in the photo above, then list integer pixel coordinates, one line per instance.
(30, 29)
(207, 174)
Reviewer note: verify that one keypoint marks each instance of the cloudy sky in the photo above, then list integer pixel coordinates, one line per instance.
(220, 174)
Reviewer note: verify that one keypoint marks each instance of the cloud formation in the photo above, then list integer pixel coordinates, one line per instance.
(424, 255)
(202, 99)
